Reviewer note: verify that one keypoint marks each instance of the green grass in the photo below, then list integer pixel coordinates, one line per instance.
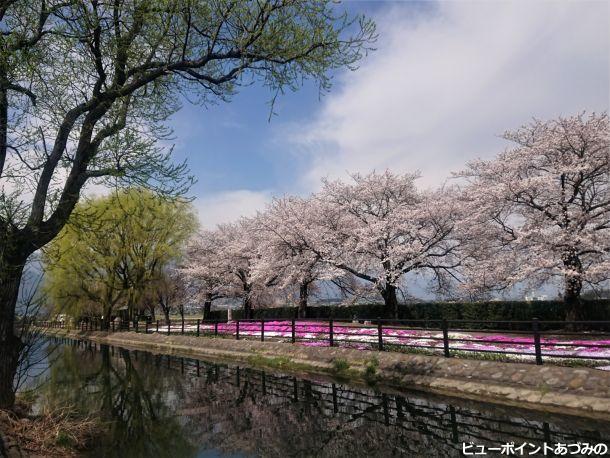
(340, 365)
(63, 439)
(370, 371)
(276, 362)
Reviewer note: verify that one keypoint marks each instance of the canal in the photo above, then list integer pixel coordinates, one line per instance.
(167, 406)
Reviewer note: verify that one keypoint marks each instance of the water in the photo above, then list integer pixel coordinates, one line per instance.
(159, 406)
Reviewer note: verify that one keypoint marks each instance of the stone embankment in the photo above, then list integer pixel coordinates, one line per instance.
(578, 391)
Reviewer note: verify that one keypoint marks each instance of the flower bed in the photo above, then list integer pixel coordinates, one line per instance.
(313, 333)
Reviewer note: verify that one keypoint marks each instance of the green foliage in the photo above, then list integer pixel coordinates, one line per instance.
(340, 365)
(112, 249)
(64, 440)
(370, 370)
(98, 81)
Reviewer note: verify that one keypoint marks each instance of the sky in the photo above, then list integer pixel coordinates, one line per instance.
(446, 80)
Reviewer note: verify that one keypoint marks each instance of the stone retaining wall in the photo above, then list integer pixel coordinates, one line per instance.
(578, 391)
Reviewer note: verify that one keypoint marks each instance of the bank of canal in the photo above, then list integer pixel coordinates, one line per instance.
(576, 391)
(172, 405)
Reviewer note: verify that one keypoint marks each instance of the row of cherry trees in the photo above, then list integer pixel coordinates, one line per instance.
(538, 212)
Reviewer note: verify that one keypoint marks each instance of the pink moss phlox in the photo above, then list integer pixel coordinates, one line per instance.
(320, 331)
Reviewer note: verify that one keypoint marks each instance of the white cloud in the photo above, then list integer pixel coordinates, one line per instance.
(443, 85)
(226, 207)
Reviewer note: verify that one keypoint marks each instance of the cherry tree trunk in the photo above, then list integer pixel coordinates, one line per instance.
(207, 309)
(248, 314)
(390, 300)
(573, 287)
(574, 307)
(11, 271)
(303, 298)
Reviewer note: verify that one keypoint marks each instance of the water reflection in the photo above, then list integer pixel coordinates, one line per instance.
(157, 405)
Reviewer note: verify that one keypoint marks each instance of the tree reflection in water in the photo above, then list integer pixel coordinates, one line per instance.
(169, 406)
(135, 405)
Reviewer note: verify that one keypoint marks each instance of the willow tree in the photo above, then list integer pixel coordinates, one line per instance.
(112, 250)
(85, 88)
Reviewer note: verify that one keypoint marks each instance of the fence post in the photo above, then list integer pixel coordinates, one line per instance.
(112, 325)
(215, 328)
(445, 338)
(169, 327)
(293, 332)
(157, 326)
(537, 348)
(379, 334)
(330, 333)
(182, 331)
(262, 330)
(137, 325)
(146, 327)
(197, 328)
(237, 330)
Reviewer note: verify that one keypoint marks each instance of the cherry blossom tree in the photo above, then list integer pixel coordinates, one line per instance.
(541, 209)
(222, 261)
(379, 227)
(204, 267)
(286, 252)
(240, 253)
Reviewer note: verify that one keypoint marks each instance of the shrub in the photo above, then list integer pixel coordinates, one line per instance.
(554, 310)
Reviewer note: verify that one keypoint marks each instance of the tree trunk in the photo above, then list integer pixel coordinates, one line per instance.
(11, 271)
(571, 298)
(248, 314)
(572, 289)
(166, 315)
(130, 308)
(390, 301)
(303, 297)
(207, 308)
(107, 313)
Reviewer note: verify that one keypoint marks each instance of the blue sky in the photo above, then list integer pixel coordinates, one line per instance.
(447, 78)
